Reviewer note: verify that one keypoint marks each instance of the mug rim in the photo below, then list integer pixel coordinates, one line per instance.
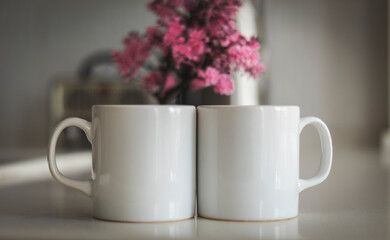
(246, 106)
(142, 106)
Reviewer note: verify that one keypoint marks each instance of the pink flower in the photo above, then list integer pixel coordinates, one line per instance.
(229, 39)
(197, 41)
(246, 56)
(211, 76)
(154, 36)
(169, 83)
(151, 82)
(197, 84)
(222, 62)
(131, 59)
(174, 32)
(165, 8)
(154, 81)
(179, 53)
(225, 85)
(193, 50)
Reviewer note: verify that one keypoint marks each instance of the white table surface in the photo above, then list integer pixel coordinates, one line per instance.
(351, 204)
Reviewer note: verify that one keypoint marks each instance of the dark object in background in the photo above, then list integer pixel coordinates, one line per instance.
(98, 82)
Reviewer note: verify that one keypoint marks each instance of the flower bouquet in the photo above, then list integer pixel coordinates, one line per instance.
(194, 44)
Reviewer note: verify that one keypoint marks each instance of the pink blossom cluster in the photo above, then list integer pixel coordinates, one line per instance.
(212, 77)
(131, 59)
(199, 47)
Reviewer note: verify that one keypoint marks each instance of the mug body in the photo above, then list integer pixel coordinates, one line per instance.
(143, 162)
(248, 165)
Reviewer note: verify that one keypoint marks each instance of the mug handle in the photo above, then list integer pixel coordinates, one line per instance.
(327, 152)
(84, 186)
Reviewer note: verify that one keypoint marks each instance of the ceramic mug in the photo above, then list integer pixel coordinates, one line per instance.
(143, 159)
(248, 161)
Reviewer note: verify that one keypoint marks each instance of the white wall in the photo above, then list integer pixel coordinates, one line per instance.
(330, 58)
(41, 39)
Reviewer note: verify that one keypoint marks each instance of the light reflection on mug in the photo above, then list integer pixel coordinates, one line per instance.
(161, 230)
(209, 229)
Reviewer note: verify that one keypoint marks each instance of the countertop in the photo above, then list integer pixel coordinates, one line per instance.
(351, 204)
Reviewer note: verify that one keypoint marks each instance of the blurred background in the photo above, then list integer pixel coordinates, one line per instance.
(329, 57)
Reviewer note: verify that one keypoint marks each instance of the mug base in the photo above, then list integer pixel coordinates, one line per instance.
(123, 221)
(248, 220)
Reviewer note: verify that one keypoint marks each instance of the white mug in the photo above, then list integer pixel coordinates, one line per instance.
(143, 159)
(248, 161)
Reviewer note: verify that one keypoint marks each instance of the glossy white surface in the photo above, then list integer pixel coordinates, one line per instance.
(248, 161)
(351, 204)
(143, 162)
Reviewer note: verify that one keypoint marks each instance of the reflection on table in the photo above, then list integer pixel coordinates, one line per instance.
(351, 204)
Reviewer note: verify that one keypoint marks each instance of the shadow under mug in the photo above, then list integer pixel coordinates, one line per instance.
(248, 161)
(143, 159)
